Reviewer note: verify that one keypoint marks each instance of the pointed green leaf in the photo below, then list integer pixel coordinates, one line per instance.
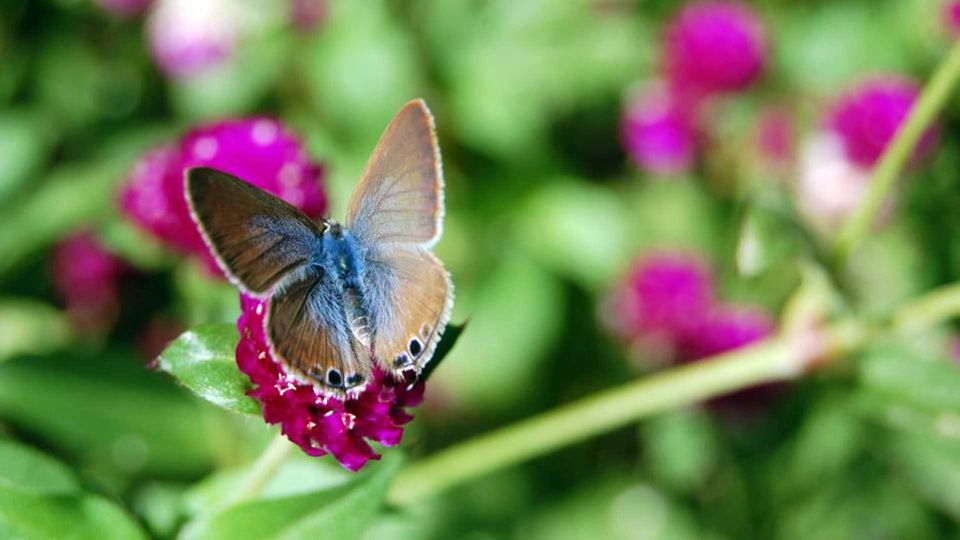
(203, 360)
(27, 469)
(341, 512)
(34, 516)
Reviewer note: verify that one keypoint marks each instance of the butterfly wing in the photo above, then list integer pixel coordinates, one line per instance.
(256, 238)
(309, 332)
(399, 199)
(409, 306)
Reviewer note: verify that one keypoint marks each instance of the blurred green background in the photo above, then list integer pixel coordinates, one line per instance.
(545, 214)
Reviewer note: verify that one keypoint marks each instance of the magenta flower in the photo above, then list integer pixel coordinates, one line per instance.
(188, 37)
(321, 424)
(726, 328)
(663, 298)
(714, 47)
(124, 8)
(307, 15)
(86, 278)
(258, 150)
(868, 116)
(774, 136)
(951, 16)
(658, 131)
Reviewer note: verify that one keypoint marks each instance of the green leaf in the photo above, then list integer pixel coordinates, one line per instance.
(109, 411)
(898, 376)
(931, 467)
(27, 469)
(203, 360)
(342, 512)
(31, 327)
(25, 515)
(447, 341)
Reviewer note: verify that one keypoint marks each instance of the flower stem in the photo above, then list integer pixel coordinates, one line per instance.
(771, 360)
(775, 359)
(884, 176)
(261, 471)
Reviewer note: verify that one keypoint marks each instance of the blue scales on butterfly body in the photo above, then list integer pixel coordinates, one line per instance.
(343, 299)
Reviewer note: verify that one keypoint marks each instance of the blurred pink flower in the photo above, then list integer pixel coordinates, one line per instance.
(774, 136)
(86, 278)
(320, 424)
(662, 298)
(307, 14)
(124, 8)
(714, 46)
(258, 150)
(187, 36)
(658, 131)
(951, 16)
(868, 116)
(725, 328)
(829, 185)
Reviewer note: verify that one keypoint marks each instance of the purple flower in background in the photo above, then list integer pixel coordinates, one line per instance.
(713, 47)
(187, 36)
(321, 424)
(774, 136)
(951, 16)
(726, 328)
(658, 131)
(868, 116)
(829, 185)
(124, 8)
(258, 150)
(86, 277)
(307, 14)
(662, 298)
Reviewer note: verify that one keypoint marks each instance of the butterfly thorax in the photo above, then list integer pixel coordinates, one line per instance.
(341, 256)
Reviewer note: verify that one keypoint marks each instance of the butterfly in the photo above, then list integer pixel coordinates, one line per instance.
(342, 298)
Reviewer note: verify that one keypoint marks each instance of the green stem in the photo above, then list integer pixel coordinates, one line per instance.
(769, 361)
(884, 176)
(776, 359)
(261, 471)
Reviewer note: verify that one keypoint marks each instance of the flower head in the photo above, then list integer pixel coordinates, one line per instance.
(317, 423)
(86, 278)
(714, 46)
(774, 136)
(658, 131)
(124, 8)
(187, 37)
(307, 14)
(727, 327)
(663, 296)
(258, 150)
(951, 16)
(868, 116)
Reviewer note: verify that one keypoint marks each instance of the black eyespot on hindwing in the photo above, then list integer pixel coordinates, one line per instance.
(415, 347)
(354, 380)
(401, 360)
(334, 378)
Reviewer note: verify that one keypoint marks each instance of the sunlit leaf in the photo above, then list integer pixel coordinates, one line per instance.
(203, 360)
(29, 470)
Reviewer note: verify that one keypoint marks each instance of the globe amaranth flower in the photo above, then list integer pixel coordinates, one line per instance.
(658, 131)
(258, 150)
(124, 8)
(867, 117)
(725, 328)
(86, 277)
(660, 300)
(774, 137)
(951, 16)
(307, 15)
(317, 423)
(714, 47)
(187, 37)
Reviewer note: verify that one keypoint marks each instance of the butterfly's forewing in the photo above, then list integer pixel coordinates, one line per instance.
(256, 237)
(399, 198)
(411, 307)
(309, 332)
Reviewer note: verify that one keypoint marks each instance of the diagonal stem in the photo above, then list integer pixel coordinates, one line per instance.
(931, 101)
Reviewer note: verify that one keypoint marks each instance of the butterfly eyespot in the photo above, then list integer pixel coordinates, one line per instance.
(354, 380)
(334, 378)
(401, 360)
(415, 347)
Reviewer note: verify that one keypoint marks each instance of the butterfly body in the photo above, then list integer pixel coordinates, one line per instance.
(343, 299)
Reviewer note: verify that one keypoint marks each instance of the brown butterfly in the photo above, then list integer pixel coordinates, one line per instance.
(342, 297)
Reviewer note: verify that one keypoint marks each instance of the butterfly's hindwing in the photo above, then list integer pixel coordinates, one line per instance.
(309, 332)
